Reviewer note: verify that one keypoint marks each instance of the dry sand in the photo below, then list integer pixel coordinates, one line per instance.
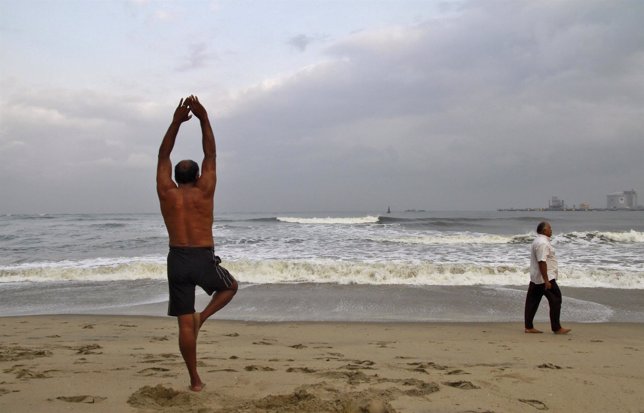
(132, 364)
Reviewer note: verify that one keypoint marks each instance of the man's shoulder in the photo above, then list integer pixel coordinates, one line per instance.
(540, 240)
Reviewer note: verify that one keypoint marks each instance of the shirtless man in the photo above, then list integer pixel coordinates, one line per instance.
(187, 209)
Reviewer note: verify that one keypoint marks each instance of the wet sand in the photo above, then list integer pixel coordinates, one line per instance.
(131, 363)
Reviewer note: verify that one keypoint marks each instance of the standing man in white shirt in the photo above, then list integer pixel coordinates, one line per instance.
(543, 275)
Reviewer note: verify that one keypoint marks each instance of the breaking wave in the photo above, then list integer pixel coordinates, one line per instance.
(322, 271)
(331, 220)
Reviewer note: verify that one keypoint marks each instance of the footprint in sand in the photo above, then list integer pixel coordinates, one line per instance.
(152, 371)
(258, 368)
(88, 326)
(352, 377)
(298, 346)
(81, 399)
(463, 385)
(232, 335)
(300, 370)
(26, 374)
(88, 349)
(422, 367)
(383, 344)
(539, 405)
(263, 343)
(549, 366)
(457, 371)
(159, 338)
(360, 365)
(21, 353)
(422, 388)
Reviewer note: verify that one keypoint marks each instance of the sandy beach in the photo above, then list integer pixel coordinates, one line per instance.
(114, 363)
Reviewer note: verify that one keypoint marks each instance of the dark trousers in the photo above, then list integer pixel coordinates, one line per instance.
(532, 300)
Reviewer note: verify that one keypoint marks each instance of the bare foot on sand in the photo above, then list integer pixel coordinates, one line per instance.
(533, 331)
(197, 388)
(197, 320)
(563, 331)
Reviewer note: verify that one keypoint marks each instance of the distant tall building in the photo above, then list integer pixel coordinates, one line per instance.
(622, 200)
(556, 204)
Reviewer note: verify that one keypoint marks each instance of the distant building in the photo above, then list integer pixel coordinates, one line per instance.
(622, 200)
(556, 204)
(584, 206)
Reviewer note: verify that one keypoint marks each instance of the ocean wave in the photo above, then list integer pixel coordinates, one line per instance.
(439, 222)
(323, 271)
(108, 225)
(97, 269)
(627, 237)
(442, 238)
(455, 238)
(369, 219)
(423, 273)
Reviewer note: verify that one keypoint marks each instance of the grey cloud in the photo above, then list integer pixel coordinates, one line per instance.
(200, 56)
(300, 42)
(503, 105)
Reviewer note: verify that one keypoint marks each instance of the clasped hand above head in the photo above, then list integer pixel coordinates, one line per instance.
(182, 112)
(187, 105)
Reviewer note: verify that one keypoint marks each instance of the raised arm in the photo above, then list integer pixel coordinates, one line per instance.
(208, 179)
(164, 165)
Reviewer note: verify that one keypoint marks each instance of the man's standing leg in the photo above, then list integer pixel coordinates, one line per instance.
(532, 300)
(188, 347)
(554, 299)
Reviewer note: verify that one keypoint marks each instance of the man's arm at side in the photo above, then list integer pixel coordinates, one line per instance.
(164, 165)
(543, 268)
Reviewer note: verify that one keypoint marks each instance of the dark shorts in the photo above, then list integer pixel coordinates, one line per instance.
(189, 267)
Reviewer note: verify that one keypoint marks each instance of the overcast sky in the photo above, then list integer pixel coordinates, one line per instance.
(323, 105)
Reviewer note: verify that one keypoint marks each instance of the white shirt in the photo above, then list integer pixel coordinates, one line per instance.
(542, 250)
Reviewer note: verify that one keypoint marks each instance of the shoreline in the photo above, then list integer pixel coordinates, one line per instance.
(103, 363)
(330, 302)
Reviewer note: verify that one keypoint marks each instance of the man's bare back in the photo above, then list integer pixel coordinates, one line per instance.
(187, 212)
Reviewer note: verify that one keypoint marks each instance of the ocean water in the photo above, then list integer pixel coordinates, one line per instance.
(330, 266)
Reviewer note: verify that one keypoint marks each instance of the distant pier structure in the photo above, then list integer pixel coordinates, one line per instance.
(622, 200)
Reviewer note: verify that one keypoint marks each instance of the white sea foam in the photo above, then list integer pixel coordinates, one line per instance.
(276, 271)
(626, 237)
(99, 269)
(452, 238)
(630, 236)
(455, 238)
(323, 271)
(424, 273)
(331, 221)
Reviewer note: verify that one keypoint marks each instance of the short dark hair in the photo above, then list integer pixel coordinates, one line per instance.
(186, 172)
(541, 227)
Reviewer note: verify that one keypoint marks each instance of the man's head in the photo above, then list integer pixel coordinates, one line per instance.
(186, 172)
(544, 228)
